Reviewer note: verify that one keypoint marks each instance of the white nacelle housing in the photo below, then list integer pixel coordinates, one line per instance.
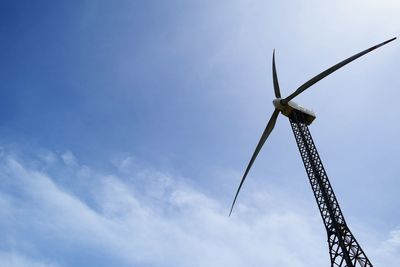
(292, 106)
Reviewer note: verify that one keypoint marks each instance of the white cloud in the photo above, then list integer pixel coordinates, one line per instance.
(11, 259)
(125, 164)
(394, 239)
(163, 222)
(69, 158)
(389, 250)
(48, 157)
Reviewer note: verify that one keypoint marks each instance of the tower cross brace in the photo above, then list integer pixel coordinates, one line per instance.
(344, 249)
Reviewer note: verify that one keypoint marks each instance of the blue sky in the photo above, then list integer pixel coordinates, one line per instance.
(125, 127)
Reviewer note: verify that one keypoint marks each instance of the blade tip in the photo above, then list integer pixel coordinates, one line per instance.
(390, 40)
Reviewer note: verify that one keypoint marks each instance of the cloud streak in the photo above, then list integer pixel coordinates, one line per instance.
(162, 222)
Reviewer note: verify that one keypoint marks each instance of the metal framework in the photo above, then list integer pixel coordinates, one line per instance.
(343, 247)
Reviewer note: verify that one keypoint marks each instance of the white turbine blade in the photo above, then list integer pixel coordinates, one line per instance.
(264, 136)
(325, 73)
(275, 78)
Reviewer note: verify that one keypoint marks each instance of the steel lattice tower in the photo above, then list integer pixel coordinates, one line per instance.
(343, 247)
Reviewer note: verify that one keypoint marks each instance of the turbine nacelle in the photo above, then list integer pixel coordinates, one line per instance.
(287, 110)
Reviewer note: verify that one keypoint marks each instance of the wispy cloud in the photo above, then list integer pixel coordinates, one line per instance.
(149, 219)
(69, 158)
(11, 259)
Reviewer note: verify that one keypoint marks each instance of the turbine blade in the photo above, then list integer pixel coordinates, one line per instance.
(275, 77)
(264, 136)
(330, 70)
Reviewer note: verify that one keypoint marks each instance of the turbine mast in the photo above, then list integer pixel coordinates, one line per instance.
(344, 249)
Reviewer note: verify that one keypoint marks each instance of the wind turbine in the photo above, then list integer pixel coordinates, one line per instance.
(343, 247)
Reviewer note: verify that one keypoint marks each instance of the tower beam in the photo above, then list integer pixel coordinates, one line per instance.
(343, 247)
